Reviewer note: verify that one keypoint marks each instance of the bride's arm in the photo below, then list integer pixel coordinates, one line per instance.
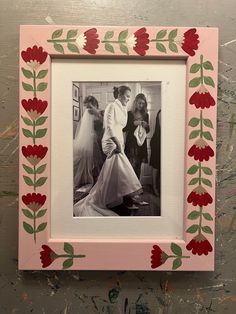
(110, 126)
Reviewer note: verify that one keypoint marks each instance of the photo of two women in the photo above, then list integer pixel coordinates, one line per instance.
(117, 148)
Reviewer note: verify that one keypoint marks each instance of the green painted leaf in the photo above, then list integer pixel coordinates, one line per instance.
(27, 87)
(195, 68)
(124, 49)
(194, 122)
(176, 249)
(208, 123)
(41, 169)
(41, 227)
(42, 86)
(207, 229)
(160, 47)
(68, 263)
(193, 229)
(27, 121)
(123, 35)
(208, 65)
(161, 34)
(172, 34)
(40, 181)
(195, 82)
(28, 169)
(193, 169)
(113, 294)
(27, 213)
(206, 182)
(57, 33)
(68, 248)
(194, 181)
(207, 170)
(28, 181)
(27, 133)
(193, 215)
(71, 33)
(176, 263)
(27, 73)
(42, 74)
(40, 120)
(194, 134)
(109, 35)
(73, 48)
(40, 133)
(207, 216)
(207, 136)
(41, 213)
(58, 48)
(209, 81)
(173, 47)
(28, 228)
(109, 48)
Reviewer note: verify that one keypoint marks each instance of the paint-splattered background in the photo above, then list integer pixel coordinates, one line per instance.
(118, 292)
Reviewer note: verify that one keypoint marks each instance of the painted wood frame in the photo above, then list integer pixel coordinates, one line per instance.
(199, 47)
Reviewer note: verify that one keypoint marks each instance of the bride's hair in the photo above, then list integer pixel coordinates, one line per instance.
(115, 92)
(142, 97)
(92, 100)
(122, 89)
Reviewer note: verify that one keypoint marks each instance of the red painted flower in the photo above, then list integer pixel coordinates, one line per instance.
(199, 245)
(201, 150)
(199, 196)
(34, 153)
(47, 256)
(34, 107)
(202, 98)
(139, 41)
(34, 201)
(34, 57)
(88, 40)
(158, 257)
(190, 41)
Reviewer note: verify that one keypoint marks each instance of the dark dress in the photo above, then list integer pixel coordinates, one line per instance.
(155, 143)
(135, 153)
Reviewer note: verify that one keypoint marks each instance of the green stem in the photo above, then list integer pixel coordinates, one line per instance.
(34, 178)
(71, 256)
(34, 83)
(34, 132)
(114, 41)
(200, 172)
(155, 40)
(61, 40)
(34, 227)
(201, 72)
(200, 221)
(201, 125)
(176, 256)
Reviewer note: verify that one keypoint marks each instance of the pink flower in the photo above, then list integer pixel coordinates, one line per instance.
(139, 41)
(199, 196)
(202, 98)
(199, 245)
(201, 150)
(34, 201)
(34, 57)
(88, 41)
(34, 154)
(34, 107)
(190, 41)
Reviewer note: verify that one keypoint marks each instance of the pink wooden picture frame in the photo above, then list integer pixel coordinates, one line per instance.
(199, 47)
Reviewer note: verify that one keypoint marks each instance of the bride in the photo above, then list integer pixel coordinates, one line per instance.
(117, 178)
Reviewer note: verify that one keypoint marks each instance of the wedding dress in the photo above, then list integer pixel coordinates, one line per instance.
(88, 157)
(117, 177)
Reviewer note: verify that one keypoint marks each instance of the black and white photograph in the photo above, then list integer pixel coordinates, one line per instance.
(117, 149)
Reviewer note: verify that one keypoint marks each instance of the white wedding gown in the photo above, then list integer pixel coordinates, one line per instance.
(117, 177)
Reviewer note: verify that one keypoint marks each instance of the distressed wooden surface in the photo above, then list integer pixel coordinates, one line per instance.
(118, 292)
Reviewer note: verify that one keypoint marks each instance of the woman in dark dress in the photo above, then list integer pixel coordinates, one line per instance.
(137, 117)
(155, 159)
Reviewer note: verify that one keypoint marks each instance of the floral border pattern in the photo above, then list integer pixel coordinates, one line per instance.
(126, 41)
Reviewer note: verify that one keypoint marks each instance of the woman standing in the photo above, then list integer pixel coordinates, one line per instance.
(88, 155)
(135, 148)
(117, 177)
